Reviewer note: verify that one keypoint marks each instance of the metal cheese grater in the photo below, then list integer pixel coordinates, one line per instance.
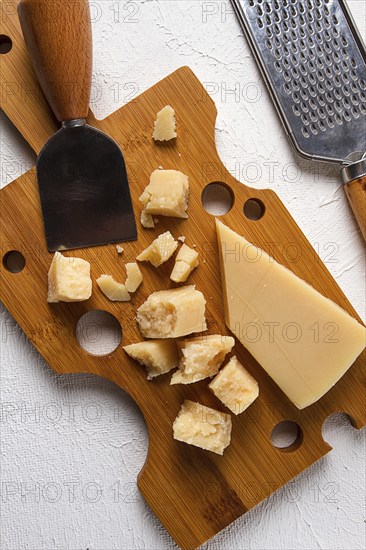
(314, 63)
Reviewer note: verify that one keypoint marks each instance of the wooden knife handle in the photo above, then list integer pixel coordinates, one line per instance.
(58, 37)
(356, 193)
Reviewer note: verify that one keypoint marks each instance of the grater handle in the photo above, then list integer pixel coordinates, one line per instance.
(58, 37)
(354, 178)
(356, 193)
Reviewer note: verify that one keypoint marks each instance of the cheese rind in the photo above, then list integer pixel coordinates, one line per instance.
(165, 124)
(158, 356)
(134, 277)
(202, 427)
(166, 194)
(172, 313)
(185, 262)
(160, 250)
(235, 387)
(201, 357)
(68, 279)
(116, 292)
(303, 340)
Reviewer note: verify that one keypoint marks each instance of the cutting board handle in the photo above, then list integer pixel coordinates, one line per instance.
(58, 37)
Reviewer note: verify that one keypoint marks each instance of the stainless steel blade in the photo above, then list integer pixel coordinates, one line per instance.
(84, 190)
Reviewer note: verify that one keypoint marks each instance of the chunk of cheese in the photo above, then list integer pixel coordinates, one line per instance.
(160, 250)
(158, 356)
(203, 427)
(68, 279)
(303, 340)
(201, 357)
(165, 125)
(235, 387)
(116, 292)
(166, 194)
(147, 220)
(172, 313)
(119, 249)
(185, 262)
(134, 277)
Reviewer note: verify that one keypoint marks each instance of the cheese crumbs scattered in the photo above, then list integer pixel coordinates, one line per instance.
(202, 427)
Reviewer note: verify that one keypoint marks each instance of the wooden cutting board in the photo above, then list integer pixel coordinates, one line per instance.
(194, 493)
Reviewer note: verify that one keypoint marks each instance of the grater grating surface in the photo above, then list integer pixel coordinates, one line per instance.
(314, 63)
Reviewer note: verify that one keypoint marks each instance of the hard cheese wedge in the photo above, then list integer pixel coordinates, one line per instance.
(303, 340)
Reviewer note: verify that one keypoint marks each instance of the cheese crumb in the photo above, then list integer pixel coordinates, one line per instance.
(235, 387)
(146, 220)
(160, 250)
(182, 238)
(166, 194)
(165, 125)
(202, 427)
(201, 358)
(134, 277)
(119, 249)
(172, 313)
(185, 262)
(158, 356)
(68, 279)
(116, 292)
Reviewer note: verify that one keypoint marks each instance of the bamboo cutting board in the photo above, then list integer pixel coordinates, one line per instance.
(194, 493)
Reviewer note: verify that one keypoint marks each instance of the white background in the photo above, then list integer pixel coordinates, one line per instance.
(72, 446)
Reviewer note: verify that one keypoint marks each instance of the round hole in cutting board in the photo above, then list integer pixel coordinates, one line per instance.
(217, 198)
(254, 209)
(6, 44)
(98, 332)
(286, 436)
(14, 261)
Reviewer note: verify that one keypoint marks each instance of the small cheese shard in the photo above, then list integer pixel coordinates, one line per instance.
(166, 194)
(160, 250)
(202, 427)
(172, 313)
(158, 356)
(147, 220)
(201, 357)
(68, 279)
(235, 387)
(185, 262)
(165, 125)
(116, 292)
(134, 277)
(119, 249)
(182, 238)
(303, 340)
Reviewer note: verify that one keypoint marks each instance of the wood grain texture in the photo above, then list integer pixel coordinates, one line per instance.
(58, 37)
(194, 493)
(356, 193)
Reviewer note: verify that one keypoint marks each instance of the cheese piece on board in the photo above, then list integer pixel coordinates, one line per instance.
(134, 277)
(303, 340)
(166, 194)
(201, 357)
(172, 313)
(202, 427)
(235, 387)
(160, 250)
(116, 292)
(68, 279)
(185, 262)
(165, 125)
(147, 220)
(158, 356)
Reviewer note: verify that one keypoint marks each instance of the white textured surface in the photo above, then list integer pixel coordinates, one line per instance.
(72, 446)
